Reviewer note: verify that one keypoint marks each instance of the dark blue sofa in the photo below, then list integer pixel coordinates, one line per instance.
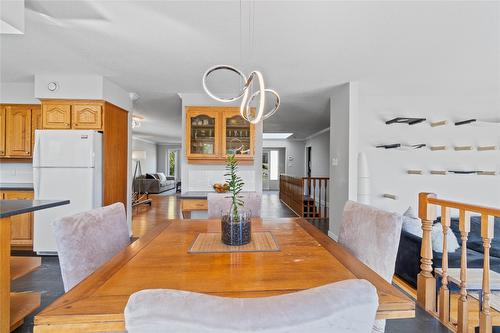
(408, 258)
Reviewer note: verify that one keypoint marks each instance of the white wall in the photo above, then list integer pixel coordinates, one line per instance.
(149, 164)
(18, 93)
(343, 151)
(14, 172)
(320, 153)
(388, 167)
(199, 177)
(70, 86)
(294, 149)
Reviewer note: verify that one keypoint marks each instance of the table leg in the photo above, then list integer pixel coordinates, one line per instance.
(5, 275)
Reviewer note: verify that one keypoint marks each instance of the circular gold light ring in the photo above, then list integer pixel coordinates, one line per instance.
(229, 68)
(246, 108)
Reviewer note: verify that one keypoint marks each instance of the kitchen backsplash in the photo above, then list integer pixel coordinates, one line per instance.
(16, 172)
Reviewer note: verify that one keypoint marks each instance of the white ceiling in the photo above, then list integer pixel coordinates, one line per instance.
(161, 48)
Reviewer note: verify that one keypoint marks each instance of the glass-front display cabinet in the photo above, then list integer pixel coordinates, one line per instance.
(202, 135)
(212, 133)
(237, 135)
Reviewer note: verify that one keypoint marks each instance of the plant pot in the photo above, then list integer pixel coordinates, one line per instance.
(236, 230)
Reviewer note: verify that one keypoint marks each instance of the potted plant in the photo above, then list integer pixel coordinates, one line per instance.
(235, 224)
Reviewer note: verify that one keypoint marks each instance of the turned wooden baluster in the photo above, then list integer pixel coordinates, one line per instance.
(302, 197)
(463, 315)
(444, 293)
(426, 283)
(487, 227)
(314, 198)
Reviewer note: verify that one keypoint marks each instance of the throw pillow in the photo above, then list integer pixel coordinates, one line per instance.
(411, 224)
(162, 176)
(437, 239)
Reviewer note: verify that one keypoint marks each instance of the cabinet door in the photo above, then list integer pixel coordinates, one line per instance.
(56, 116)
(22, 225)
(86, 116)
(2, 131)
(18, 130)
(36, 123)
(237, 135)
(202, 133)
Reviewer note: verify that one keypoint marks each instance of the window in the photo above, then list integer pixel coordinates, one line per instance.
(172, 163)
(274, 165)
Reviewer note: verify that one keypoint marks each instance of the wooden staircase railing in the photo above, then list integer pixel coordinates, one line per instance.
(305, 196)
(426, 282)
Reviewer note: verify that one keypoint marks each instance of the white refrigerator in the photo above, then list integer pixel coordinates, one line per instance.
(67, 164)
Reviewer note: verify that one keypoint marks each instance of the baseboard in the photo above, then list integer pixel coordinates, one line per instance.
(333, 236)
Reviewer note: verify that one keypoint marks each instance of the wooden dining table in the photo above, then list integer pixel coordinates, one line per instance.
(306, 258)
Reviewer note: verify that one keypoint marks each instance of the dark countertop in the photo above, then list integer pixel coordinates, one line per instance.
(200, 194)
(16, 207)
(195, 195)
(16, 186)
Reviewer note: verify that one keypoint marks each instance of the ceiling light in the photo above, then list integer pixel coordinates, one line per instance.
(276, 136)
(136, 121)
(245, 109)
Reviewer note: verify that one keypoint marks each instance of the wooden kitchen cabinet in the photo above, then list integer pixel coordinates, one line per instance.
(22, 225)
(214, 132)
(36, 123)
(56, 116)
(86, 116)
(203, 133)
(72, 114)
(237, 135)
(2, 132)
(18, 131)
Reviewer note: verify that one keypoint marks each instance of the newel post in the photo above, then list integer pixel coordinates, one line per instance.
(426, 283)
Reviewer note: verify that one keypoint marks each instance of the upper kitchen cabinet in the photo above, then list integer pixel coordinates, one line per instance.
(86, 116)
(18, 131)
(237, 135)
(2, 131)
(212, 133)
(56, 116)
(72, 114)
(36, 122)
(202, 133)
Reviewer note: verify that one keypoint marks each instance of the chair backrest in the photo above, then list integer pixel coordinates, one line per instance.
(372, 235)
(346, 306)
(220, 203)
(87, 240)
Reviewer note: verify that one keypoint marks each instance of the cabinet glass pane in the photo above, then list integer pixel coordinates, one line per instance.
(202, 135)
(237, 136)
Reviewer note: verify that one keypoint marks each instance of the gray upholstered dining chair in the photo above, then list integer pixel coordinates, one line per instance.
(346, 306)
(219, 203)
(87, 240)
(372, 235)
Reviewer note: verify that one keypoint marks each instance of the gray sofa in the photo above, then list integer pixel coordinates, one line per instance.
(154, 183)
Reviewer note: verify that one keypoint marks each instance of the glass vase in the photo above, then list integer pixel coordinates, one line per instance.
(236, 228)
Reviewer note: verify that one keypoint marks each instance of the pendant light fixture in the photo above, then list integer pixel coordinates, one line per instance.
(246, 94)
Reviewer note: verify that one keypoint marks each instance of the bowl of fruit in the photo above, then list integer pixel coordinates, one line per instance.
(221, 188)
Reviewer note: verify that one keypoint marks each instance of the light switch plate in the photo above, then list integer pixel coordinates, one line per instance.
(335, 161)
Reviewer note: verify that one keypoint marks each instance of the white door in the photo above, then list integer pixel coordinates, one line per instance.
(74, 184)
(64, 149)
